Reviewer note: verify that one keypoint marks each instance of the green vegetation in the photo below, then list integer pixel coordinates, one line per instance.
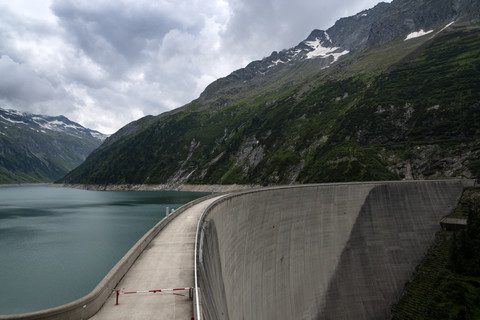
(346, 162)
(415, 113)
(447, 283)
(475, 168)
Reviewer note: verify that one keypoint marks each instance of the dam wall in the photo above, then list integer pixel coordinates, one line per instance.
(331, 251)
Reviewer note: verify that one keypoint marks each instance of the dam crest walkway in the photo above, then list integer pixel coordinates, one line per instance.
(167, 262)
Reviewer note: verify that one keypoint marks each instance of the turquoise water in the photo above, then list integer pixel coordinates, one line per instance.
(57, 244)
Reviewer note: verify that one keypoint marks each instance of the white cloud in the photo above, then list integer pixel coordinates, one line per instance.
(105, 63)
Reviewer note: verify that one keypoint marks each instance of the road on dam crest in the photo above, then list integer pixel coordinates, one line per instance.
(167, 262)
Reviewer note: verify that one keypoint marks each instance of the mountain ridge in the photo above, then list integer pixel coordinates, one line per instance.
(368, 28)
(39, 148)
(324, 118)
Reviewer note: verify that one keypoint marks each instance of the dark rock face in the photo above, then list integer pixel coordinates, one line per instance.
(353, 32)
(403, 17)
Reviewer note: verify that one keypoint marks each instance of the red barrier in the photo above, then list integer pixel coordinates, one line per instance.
(166, 291)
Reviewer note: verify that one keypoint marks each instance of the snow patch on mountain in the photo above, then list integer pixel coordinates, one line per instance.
(448, 25)
(56, 125)
(98, 135)
(11, 120)
(421, 33)
(327, 36)
(275, 63)
(14, 112)
(40, 123)
(324, 52)
(318, 45)
(417, 34)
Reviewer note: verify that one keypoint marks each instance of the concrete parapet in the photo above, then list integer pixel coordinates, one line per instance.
(89, 305)
(331, 251)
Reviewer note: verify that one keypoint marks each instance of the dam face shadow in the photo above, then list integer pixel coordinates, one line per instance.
(394, 229)
(340, 251)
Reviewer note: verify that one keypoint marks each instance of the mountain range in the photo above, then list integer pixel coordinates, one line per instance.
(389, 93)
(38, 148)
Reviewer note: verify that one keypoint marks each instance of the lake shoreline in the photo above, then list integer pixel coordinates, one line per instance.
(40, 184)
(159, 187)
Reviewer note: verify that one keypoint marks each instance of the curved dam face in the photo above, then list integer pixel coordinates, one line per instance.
(336, 251)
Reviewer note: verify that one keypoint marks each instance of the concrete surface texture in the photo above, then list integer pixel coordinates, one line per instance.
(337, 251)
(167, 262)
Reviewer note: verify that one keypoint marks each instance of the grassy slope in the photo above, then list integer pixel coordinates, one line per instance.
(430, 98)
(328, 128)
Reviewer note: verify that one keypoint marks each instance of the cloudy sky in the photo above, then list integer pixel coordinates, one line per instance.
(105, 63)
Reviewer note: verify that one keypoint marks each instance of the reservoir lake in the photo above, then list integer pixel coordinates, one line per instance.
(57, 244)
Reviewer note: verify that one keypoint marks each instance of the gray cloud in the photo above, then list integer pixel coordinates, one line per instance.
(260, 27)
(22, 86)
(114, 34)
(105, 63)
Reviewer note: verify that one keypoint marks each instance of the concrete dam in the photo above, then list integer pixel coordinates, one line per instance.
(325, 251)
(332, 251)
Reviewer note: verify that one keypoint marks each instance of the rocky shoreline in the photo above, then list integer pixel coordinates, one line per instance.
(32, 184)
(159, 187)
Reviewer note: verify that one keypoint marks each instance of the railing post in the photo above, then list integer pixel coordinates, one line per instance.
(117, 292)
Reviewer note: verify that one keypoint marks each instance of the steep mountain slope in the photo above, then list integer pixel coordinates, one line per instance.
(36, 148)
(389, 93)
(373, 27)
